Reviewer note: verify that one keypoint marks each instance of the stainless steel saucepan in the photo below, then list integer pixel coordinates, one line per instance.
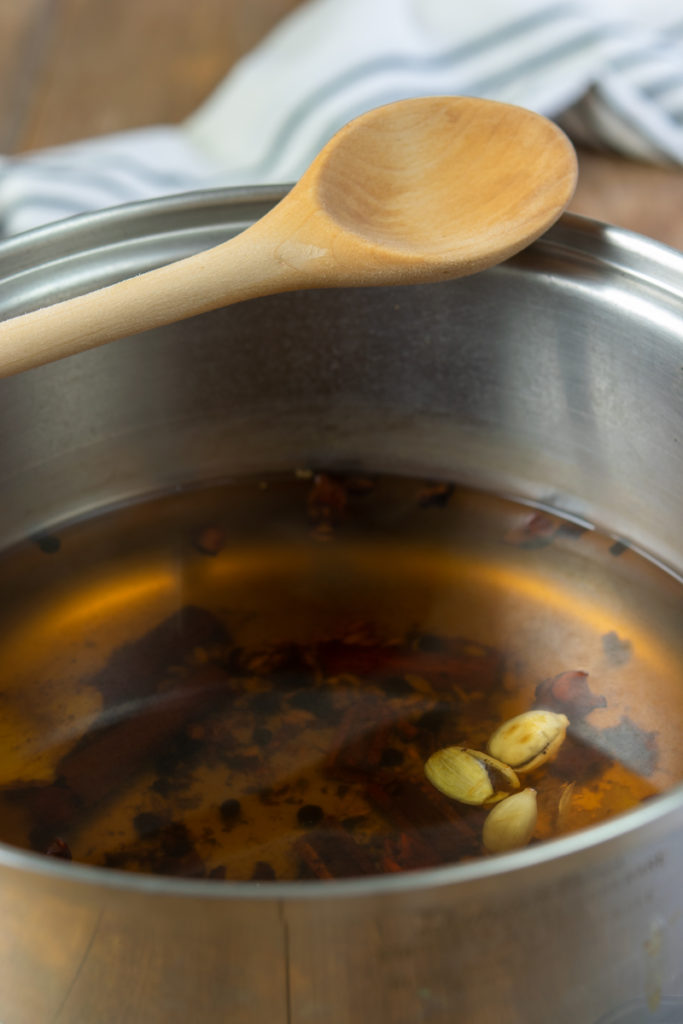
(557, 377)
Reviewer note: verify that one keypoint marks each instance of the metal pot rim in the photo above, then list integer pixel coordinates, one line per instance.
(634, 254)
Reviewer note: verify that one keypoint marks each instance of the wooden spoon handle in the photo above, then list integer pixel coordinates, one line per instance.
(239, 269)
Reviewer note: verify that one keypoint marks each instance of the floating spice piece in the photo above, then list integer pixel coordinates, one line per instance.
(138, 668)
(330, 852)
(273, 797)
(310, 815)
(631, 745)
(360, 485)
(210, 541)
(242, 761)
(59, 848)
(470, 776)
(392, 757)
(529, 740)
(263, 872)
(416, 808)
(618, 548)
(457, 664)
(107, 755)
(564, 806)
(230, 811)
(170, 852)
(435, 495)
(511, 823)
(48, 543)
(288, 666)
(618, 651)
(51, 809)
(537, 531)
(435, 728)
(407, 851)
(569, 694)
(148, 825)
(579, 759)
(327, 499)
(361, 739)
(319, 700)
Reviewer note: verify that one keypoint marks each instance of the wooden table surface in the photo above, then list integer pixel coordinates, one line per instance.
(75, 68)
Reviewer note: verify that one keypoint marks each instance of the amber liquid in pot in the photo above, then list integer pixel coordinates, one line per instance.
(244, 681)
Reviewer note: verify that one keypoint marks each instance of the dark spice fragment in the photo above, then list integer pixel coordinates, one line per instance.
(457, 663)
(175, 840)
(359, 485)
(361, 738)
(618, 651)
(436, 728)
(319, 700)
(268, 702)
(101, 763)
(431, 643)
(137, 669)
(51, 808)
(272, 797)
(148, 825)
(331, 852)
(569, 529)
(631, 745)
(263, 872)
(174, 761)
(435, 495)
(59, 848)
(310, 815)
(578, 759)
(108, 754)
(407, 852)
(242, 762)
(171, 851)
(396, 686)
(569, 694)
(262, 736)
(48, 543)
(230, 811)
(327, 499)
(210, 541)
(538, 531)
(412, 807)
(392, 757)
(618, 548)
(354, 822)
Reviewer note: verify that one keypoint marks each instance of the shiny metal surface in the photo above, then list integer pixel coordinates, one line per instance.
(558, 377)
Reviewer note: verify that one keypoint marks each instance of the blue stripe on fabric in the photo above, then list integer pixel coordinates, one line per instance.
(401, 63)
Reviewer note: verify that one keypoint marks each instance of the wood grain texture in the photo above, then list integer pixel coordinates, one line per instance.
(25, 34)
(633, 195)
(117, 64)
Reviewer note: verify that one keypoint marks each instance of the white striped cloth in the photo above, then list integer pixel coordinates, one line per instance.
(610, 71)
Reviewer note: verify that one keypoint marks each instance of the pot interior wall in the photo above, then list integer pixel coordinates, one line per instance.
(556, 377)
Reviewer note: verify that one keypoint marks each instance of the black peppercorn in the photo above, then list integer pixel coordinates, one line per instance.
(309, 815)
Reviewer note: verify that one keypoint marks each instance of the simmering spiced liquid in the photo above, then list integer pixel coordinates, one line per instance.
(245, 681)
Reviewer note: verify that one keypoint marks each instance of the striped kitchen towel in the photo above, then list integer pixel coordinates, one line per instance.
(610, 72)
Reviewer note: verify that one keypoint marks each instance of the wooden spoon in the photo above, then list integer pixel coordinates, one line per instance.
(420, 190)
